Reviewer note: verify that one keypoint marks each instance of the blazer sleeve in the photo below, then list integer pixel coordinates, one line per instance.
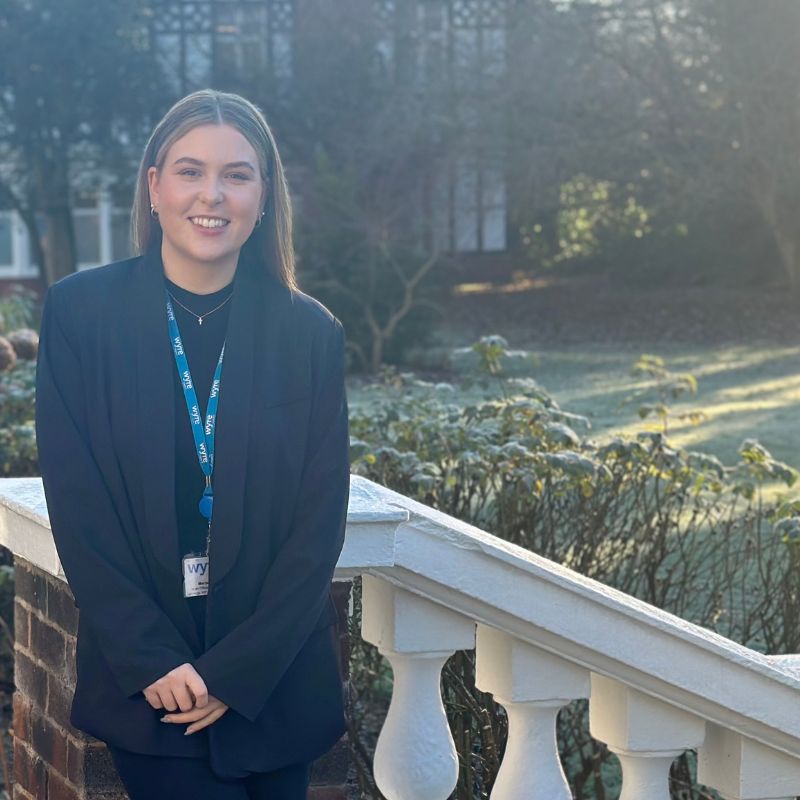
(138, 640)
(243, 668)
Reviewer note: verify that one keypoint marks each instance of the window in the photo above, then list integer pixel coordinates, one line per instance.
(87, 236)
(459, 64)
(254, 37)
(183, 43)
(6, 240)
(120, 235)
(493, 208)
(470, 206)
(478, 63)
(200, 42)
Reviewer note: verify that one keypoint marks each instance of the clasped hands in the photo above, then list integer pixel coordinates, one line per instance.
(183, 688)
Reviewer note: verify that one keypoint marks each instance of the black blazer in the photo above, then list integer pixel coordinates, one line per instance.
(105, 431)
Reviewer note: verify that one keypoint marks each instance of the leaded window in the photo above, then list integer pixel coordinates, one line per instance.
(201, 41)
(459, 62)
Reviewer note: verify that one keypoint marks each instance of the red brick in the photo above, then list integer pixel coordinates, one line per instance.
(75, 760)
(49, 741)
(49, 645)
(30, 679)
(22, 716)
(30, 584)
(59, 701)
(61, 609)
(18, 793)
(59, 789)
(29, 770)
(71, 671)
(21, 625)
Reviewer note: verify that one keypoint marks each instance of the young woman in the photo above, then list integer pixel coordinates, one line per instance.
(191, 421)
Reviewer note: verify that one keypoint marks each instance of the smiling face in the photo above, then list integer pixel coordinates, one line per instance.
(208, 195)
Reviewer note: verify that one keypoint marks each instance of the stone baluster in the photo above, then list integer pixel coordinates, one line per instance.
(740, 768)
(532, 685)
(645, 733)
(415, 757)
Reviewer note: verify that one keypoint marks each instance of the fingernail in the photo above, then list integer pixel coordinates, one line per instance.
(165, 719)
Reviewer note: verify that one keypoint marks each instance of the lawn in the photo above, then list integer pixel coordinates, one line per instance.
(742, 346)
(744, 391)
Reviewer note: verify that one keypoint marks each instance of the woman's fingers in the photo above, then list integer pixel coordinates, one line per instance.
(197, 686)
(167, 699)
(180, 688)
(192, 715)
(152, 697)
(205, 721)
(182, 697)
(199, 717)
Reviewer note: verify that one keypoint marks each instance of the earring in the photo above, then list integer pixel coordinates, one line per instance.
(260, 217)
(153, 212)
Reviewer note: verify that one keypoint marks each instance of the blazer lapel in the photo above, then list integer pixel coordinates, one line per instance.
(155, 365)
(232, 435)
(155, 412)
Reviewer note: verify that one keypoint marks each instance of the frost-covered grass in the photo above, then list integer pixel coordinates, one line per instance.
(746, 392)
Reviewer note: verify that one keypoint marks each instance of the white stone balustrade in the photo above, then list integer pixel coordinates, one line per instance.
(417, 637)
(657, 685)
(743, 769)
(646, 734)
(532, 685)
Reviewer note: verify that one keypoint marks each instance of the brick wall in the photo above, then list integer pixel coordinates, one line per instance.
(52, 760)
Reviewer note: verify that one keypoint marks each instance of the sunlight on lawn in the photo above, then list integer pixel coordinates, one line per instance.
(523, 284)
(745, 393)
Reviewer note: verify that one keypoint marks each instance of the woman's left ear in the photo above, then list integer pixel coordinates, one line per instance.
(152, 184)
(264, 193)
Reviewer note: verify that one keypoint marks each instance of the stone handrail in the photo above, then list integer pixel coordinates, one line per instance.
(543, 636)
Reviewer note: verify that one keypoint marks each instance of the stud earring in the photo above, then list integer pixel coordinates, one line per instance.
(260, 217)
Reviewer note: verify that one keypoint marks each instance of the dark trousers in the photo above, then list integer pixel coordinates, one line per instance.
(148, 777)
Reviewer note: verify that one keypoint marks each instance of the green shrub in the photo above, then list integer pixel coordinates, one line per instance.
(19, 323)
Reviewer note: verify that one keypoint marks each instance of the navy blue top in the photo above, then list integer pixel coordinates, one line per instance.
(202, 344)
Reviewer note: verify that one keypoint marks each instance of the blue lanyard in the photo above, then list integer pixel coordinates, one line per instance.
(203, 435)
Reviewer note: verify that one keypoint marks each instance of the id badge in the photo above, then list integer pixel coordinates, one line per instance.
(195, 576)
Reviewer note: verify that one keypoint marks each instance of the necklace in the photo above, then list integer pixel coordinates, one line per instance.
(200, 316)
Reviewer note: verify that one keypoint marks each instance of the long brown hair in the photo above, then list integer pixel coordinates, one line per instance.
(271, 241)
